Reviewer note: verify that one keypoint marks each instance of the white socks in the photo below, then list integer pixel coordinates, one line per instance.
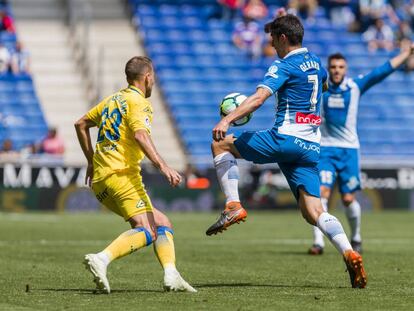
(170, 269)
(317, 234)
(105, 257)
(228, 175)
(353, 213)
(332, 228)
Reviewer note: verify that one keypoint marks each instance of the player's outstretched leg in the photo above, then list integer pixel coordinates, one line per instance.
(227, 171)
(318, 237)
(164, 249)
(353, 214)
(128, 242)
(313, 212)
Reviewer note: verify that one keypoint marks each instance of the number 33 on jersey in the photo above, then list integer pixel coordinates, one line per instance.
(118, 117)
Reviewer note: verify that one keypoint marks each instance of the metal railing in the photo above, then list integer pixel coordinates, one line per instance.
(79, 20)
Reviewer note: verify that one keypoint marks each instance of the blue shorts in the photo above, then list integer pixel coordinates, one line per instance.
(297, 158)
(342, 163)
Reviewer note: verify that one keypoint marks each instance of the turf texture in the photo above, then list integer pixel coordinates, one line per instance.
(259, 265)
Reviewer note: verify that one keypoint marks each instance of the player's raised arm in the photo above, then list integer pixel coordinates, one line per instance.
(82, 127)
(147, 146)
(407, 48)
(250, 104)
(381, 72)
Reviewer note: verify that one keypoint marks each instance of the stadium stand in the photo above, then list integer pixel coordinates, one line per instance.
(84, 58)
(21, 116)
(197, 65)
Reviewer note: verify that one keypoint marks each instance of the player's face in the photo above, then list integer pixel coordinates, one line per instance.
(149, 82)
(337, 70)
(280, 44)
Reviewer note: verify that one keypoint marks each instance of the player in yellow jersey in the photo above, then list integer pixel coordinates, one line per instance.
(124, 127)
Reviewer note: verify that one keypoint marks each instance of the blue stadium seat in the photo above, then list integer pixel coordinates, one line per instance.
(197, 64)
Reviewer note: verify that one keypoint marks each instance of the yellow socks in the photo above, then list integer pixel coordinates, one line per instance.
(134, 239)
(164, 247)
(127, 243)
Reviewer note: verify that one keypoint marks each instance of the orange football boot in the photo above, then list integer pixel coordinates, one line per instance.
(233, 213)
(353, 261)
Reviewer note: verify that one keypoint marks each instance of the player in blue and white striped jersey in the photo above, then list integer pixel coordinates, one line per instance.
(339, 157)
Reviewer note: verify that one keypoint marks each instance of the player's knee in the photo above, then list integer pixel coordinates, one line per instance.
(217, 147)
(221, 146)
(325, 192)
(347, 199)
(161, 219)
(165, 222)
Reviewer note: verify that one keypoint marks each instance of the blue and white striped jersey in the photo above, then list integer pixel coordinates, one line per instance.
(340, 108)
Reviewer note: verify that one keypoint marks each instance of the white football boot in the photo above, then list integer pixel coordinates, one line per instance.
(174, 282)
(98, 269)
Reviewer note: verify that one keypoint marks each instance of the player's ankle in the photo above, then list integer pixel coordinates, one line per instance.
(170, 268)
(105, 257)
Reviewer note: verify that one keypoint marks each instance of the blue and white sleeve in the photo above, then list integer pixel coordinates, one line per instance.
(374, 77)
(275, 77)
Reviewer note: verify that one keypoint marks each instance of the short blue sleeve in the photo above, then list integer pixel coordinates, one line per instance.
(374, 77)
(275, 77)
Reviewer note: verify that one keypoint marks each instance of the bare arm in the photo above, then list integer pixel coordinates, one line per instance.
(407, 49)
(250, 104)
(147, 146)
(82, 127)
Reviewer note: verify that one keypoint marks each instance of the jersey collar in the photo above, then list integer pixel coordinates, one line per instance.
(135, 89)
(297, 51)
(343, 85)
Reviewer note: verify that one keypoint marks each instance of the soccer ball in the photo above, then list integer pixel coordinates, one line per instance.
(231, 102)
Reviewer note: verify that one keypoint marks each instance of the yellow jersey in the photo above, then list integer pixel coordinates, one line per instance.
(118, 117)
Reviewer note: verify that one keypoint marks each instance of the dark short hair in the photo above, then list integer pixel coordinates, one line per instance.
(136, 67)
(335, 56)
(289, 25)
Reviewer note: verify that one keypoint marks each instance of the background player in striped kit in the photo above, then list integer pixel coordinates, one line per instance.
(339, 144)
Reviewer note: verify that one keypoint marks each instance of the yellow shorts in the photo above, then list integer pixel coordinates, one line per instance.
(124, 194)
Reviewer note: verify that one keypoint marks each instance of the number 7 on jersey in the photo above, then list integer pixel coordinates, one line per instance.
(314, 97)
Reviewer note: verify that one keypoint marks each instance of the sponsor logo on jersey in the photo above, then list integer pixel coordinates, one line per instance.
(307, 146)
(140, 204)
(336, 101)
(272, 72)
(147, 110)
(307, 118)
(102, 195)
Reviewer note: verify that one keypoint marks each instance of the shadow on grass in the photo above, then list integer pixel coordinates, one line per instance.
(85, 291)
(214, 285)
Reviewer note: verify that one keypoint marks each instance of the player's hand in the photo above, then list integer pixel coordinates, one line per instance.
(89, 175)
(407, 47)
(281, 12)
(220, 130)
(173, 177)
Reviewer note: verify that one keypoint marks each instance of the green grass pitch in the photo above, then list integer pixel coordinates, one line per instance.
(258, 265)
